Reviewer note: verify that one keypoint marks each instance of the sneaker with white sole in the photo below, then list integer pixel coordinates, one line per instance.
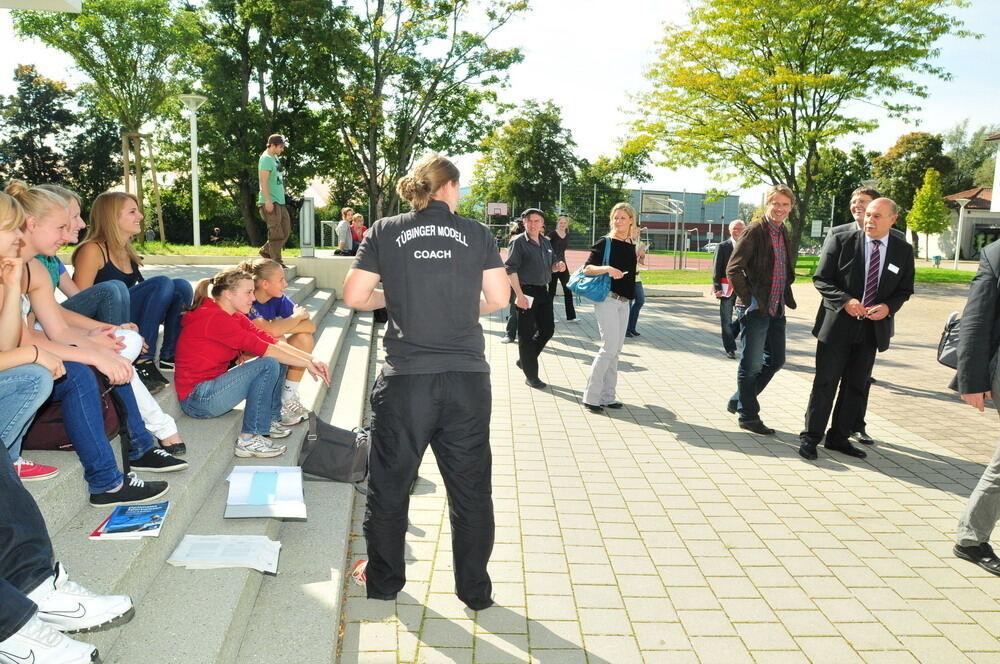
(158, 461)
(293, 412)
(69, 607)
(29, 471)
(38, 642)
(133, 491)
(278, 430)
(257, 446)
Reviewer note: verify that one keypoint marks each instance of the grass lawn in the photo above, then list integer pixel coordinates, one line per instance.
(161, 249)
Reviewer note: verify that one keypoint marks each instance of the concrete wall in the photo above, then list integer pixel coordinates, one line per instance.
(328, 272)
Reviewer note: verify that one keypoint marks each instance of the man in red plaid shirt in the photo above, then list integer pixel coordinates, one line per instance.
(760, 271)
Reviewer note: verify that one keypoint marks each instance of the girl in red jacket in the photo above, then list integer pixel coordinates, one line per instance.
(217, 332)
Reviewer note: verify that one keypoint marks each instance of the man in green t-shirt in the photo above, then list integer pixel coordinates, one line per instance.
(271, 199)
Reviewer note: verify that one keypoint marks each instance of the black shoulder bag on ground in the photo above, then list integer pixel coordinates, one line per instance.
(335, 453)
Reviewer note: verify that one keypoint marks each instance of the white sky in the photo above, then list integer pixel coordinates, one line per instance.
(589, 57)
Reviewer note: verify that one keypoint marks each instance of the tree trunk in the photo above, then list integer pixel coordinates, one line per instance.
(247, 205)
(916, 242)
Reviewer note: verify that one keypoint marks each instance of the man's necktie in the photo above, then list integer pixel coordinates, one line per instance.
(871, 283)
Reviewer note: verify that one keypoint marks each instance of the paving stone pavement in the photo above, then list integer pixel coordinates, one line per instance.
(662, 533)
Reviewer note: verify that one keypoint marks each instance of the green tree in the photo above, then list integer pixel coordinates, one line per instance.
(900, 171)
(759, 86)
(33, 119)
(972, 155)
(263, 66)
(839, 174)
(419, 76)
(929, 213)
(93, 154)
(524, 161)
(132, 51)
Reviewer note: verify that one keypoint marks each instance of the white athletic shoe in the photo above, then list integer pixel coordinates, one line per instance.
(257, 446)
(69, 607)
(38, 642)
(293, 412)
(278, 430)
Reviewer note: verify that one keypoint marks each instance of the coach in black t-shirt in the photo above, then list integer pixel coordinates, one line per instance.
(439, 273)
(530, 264)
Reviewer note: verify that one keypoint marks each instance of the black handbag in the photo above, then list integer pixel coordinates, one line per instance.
(947, 352)
(335, 453)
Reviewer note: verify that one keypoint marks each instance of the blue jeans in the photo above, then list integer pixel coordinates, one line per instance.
(25, 551)
(155, 301)
(258, 381)
(763, 353)
(83, 417)
(107, 302)
(23, 390)
(633, 312)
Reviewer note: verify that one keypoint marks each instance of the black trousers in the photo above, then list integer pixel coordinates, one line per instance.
(25, 550)
(563, 277)
(846, 362)
(451, 411)
(534, 328)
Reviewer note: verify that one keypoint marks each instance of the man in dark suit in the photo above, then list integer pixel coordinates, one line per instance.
(860, 198)
(864, 276)
(730, 328)
(976, 381)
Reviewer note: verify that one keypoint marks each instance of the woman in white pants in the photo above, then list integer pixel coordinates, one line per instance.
(612, 313)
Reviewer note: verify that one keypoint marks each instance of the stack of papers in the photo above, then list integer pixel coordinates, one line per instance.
(218, 551)
(132, 522)
(267, 491)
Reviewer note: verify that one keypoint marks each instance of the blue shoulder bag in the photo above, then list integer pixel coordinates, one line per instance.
(592, 288)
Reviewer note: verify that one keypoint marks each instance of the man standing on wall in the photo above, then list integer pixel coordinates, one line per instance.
(726, 295)
(271, 199)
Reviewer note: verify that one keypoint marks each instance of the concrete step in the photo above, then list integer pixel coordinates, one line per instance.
(306, 595)
(60, 496)
(220, 602)
(130, 567)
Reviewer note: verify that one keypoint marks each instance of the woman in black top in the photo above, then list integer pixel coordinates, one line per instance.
(560, 242)
(612, 313)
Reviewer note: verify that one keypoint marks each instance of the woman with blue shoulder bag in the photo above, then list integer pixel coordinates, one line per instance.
(614, 255)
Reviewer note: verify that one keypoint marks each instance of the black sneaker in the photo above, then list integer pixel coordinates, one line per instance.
(151, 377)
(167, 363)
(133, 491)
(158, 461)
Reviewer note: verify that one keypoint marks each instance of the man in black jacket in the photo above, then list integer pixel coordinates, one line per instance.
(976, 381)
(864, 276)
(727, 296)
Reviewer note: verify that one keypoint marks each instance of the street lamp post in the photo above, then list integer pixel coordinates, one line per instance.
(193, 103)
(961, 223)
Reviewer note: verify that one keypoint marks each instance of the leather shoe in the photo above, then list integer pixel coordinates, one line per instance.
(614, 404)
(863, 437)
(848, 449)
(757, 426)
(981, 555)
(535, 383)
(731, 354)
(592, 408)
(808, 451)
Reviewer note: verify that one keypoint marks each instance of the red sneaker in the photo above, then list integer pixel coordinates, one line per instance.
(30, 471)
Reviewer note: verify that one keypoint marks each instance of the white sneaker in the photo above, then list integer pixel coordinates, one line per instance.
(293, 412)
(38, 642)
(573, 320)
(279, 430)
(69, 607)
(257, 446)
